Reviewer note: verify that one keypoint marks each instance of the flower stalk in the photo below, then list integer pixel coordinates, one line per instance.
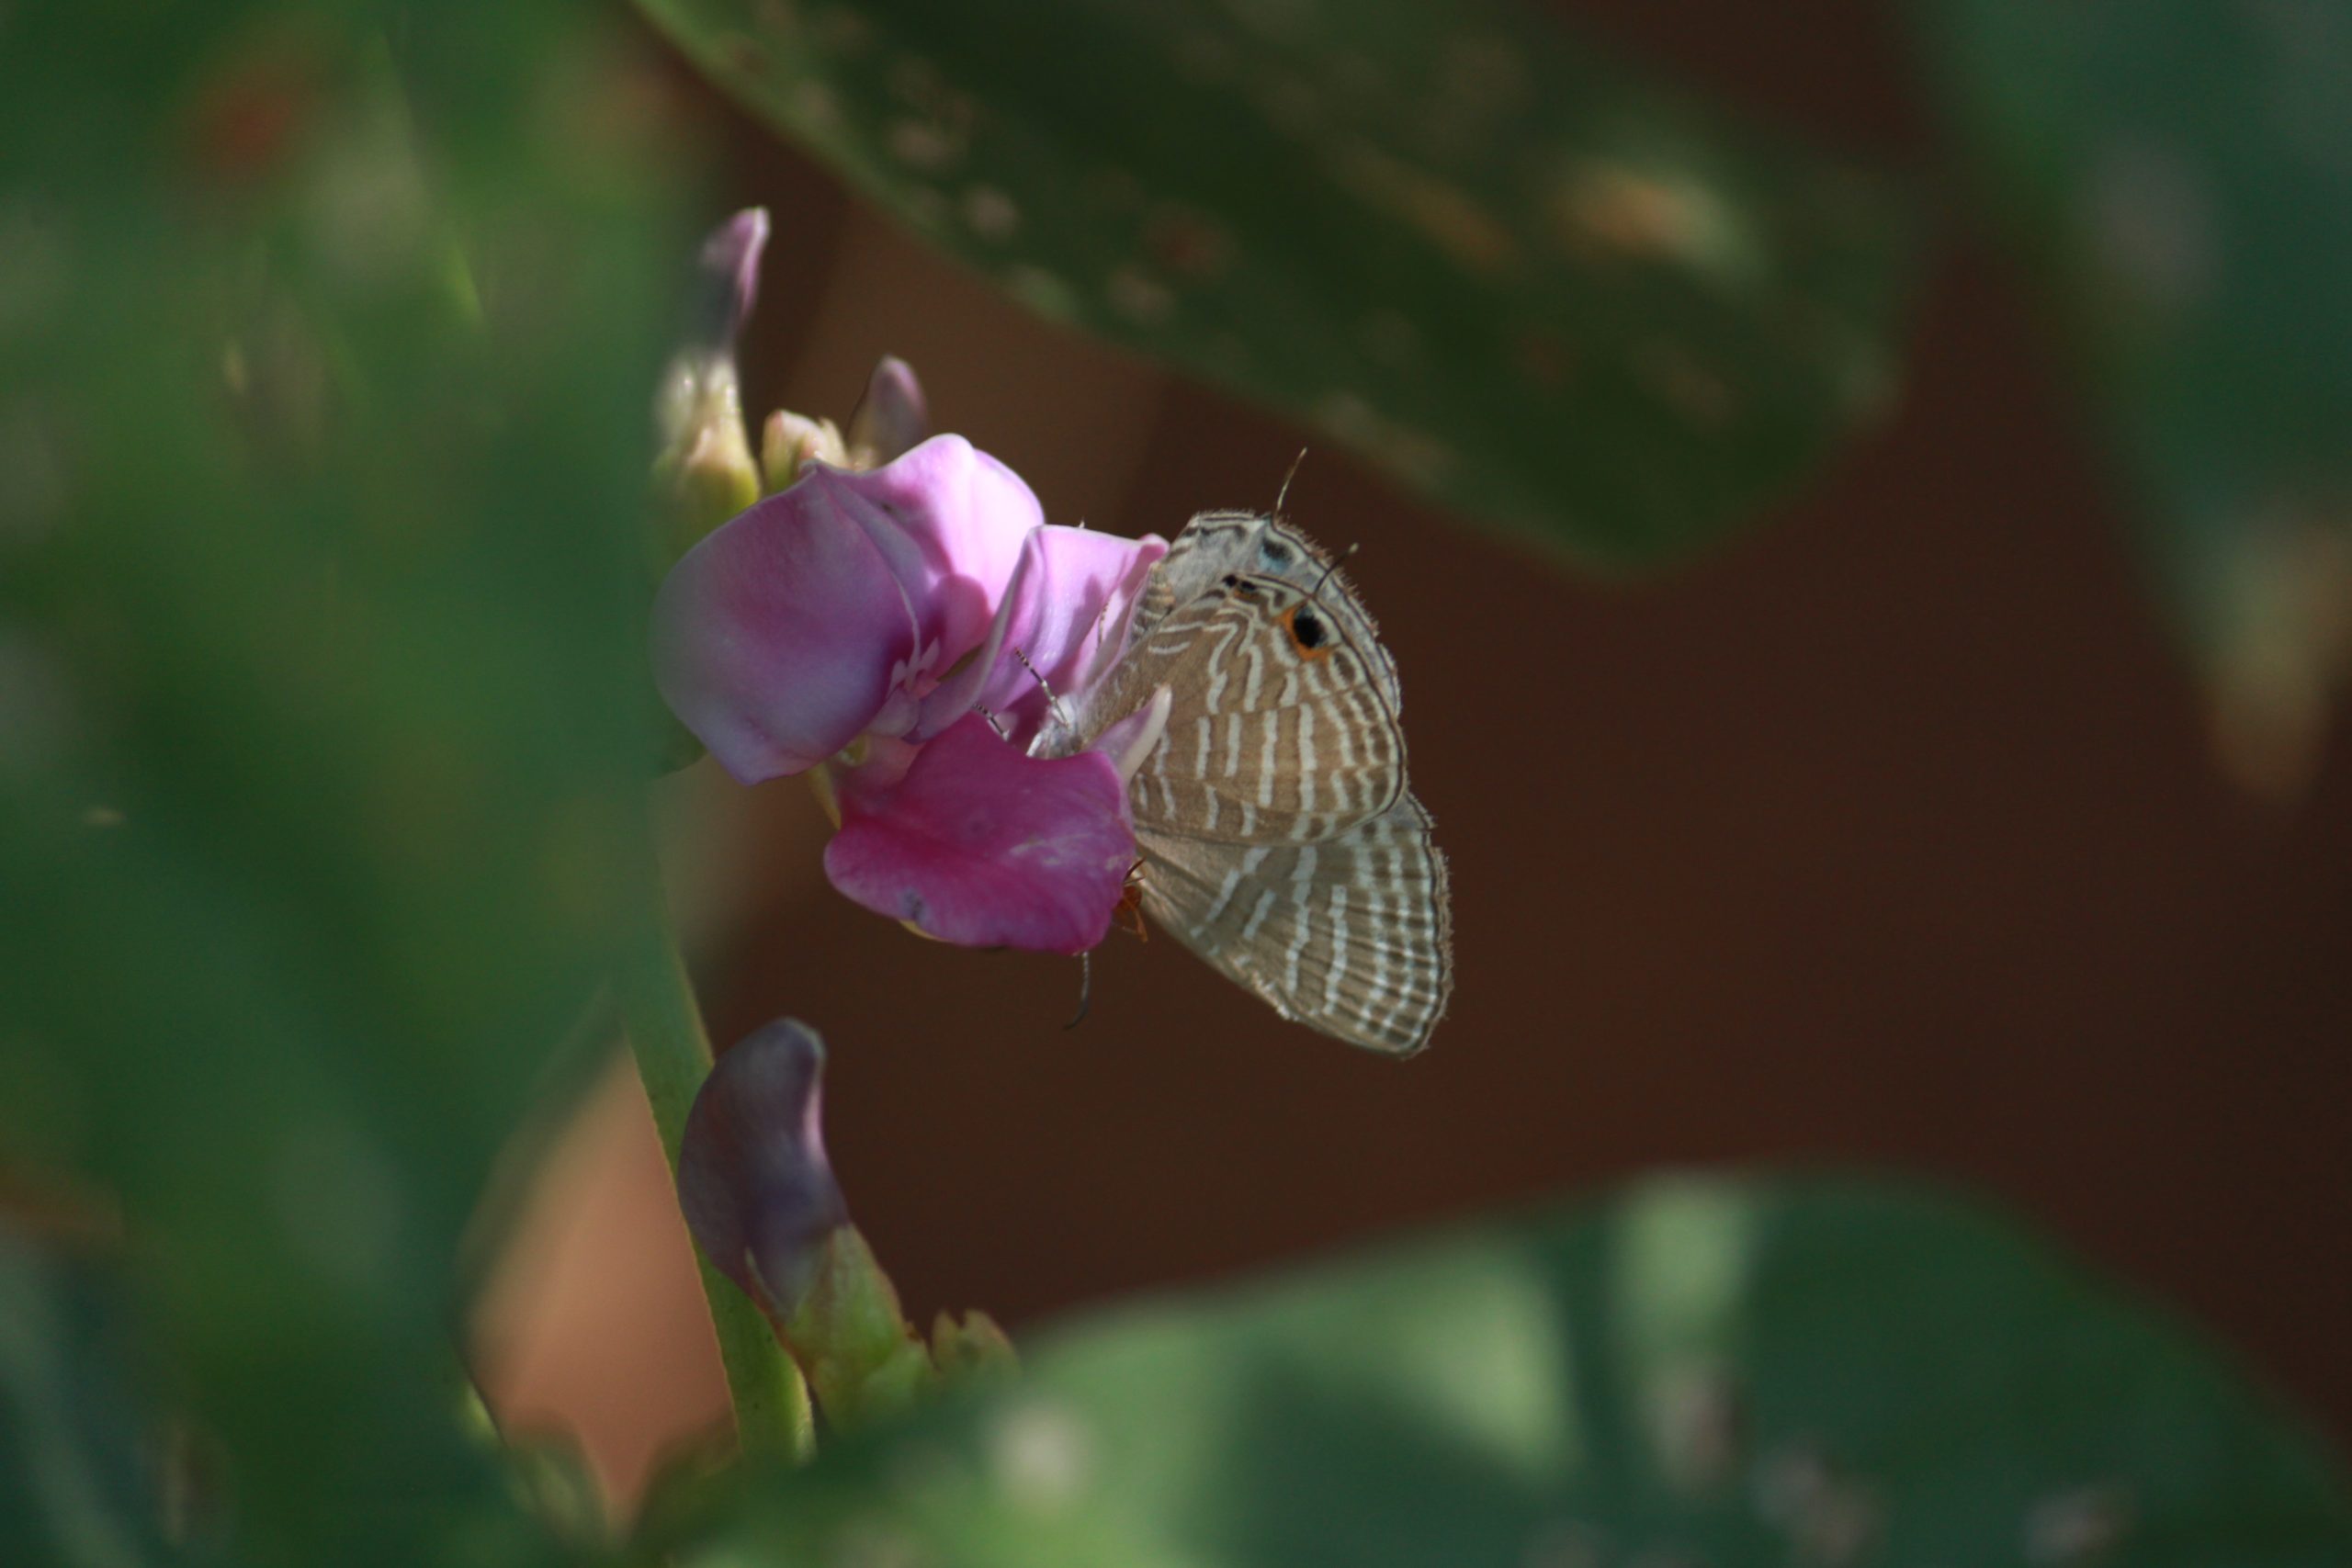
(773, 1418)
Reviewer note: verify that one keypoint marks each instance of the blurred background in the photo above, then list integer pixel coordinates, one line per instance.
(1890, 833)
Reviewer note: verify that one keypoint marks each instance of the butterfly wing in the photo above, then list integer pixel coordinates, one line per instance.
(1204, 550)
(1214, 544)
(1352, 935)
(1279, 728)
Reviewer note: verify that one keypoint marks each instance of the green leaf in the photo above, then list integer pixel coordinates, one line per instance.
(76, 1440)
(2180, 175)
(329, 335)
(1494, 264)
(1702, 1370)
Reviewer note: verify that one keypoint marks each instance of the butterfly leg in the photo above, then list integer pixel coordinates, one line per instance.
(1085, 990)
(1129, 913)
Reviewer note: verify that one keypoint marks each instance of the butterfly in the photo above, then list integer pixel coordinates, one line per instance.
(1280, 839)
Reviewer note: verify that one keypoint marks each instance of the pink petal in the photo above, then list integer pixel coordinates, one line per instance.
(731, 267)
(950, 520)
(775, 638)
(954, 696)
(1066, 612)
(892, 416)
(978, 845)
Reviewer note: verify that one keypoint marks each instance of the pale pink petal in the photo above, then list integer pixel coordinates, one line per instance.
(731, 268)
(954, 696)
(950, 520)
(892, 417)
(979, 845)
(1066, 616)
(775, 638)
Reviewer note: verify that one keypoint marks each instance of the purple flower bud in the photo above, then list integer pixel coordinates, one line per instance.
(758, 1193)
(891, 419)
(730, 278)
(760, 1198)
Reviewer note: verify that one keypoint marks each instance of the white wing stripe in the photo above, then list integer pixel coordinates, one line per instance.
(1302, 892)
(1338, 969)
(1257, 916)
(1305, 760)
(1273, 740)
(1248, 866)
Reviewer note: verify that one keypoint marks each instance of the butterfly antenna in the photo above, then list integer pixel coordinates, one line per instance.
(1043, 685)
(1328, 567)
(1085, 990)
(1052, 701)
(1284, 494)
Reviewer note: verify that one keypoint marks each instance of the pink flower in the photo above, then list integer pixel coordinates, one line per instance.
(975, 843)
(854, 622)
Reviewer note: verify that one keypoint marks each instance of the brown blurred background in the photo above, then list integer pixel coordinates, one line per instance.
(1888, 835)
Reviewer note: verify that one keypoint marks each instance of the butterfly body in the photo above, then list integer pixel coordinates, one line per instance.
(1280, 839)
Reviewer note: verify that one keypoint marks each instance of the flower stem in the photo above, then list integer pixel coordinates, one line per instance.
(665, 1032)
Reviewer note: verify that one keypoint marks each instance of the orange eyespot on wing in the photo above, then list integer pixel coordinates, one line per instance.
(1308, 633)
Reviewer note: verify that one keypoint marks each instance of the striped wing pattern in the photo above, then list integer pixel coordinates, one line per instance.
(1217, 543)
(1351, 936)
(1265, 741)
(1206, 549)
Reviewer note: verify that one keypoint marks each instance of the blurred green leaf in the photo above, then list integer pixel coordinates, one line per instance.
(1496, 265)
(76, 1440)
(1701, 1371)
(2180, 174)
(326, 336)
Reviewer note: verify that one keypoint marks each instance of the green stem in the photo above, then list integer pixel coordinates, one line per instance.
(665, 1032)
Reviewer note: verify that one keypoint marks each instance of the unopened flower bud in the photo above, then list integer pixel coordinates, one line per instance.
(974, 1346)
(730, 278)
(705, 473)
(760, 1197)
(891, 419)
(790, 440)
(757, 1190)
(851, 1338)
